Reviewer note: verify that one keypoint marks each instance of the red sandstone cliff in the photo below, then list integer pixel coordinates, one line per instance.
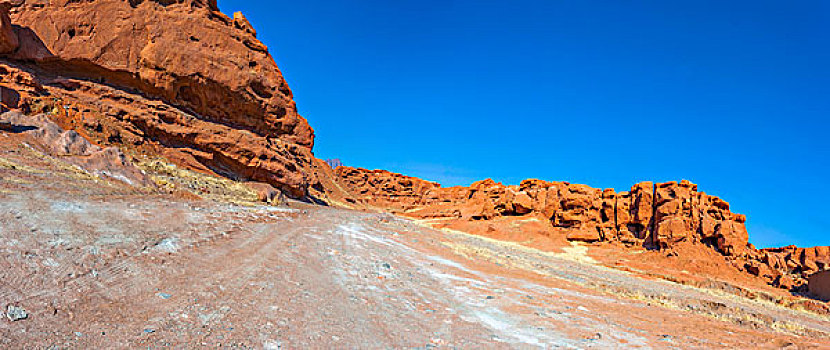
(177, 78)
(185, 53)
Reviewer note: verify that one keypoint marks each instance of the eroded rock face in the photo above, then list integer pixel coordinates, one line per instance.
(634, 211)
(172, 78)
(8, 36)
(384, 187)
(107, 162)
(670, 216)
(791, 266)
(682, 214)
(819, 285)
(186, 53)
(662, 215)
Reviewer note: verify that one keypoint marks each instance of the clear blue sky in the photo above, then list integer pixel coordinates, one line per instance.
(732, 95)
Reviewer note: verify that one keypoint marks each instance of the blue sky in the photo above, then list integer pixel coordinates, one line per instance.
(732, 95)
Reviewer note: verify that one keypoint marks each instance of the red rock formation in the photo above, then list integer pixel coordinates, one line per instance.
(684, 215)
(819, 285)
(789, 266)
(175, 78)
(8, 38)
(210, 64)
(633, 213)
(669, 216)
(385, 188)
(108, 162)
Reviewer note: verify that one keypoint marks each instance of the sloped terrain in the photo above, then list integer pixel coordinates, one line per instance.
(671, 219)
(96, 264)
(146, 152)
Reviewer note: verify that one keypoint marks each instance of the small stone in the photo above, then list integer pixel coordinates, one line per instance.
(595, 336)
(16, 313)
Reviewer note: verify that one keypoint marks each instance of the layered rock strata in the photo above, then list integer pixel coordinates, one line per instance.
(178, 78)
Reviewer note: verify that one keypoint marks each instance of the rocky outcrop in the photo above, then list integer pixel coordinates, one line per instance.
(671, 216)
(185, 53)
(107, 162)
(819, 285)
(682, 214)
(8, 37)
(173, 78)
(662, 215)
(789, 267)
(383, 187)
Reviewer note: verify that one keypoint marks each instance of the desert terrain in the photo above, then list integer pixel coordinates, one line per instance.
(159, 189)
(96, 264)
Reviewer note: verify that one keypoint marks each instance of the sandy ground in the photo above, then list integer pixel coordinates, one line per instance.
(135, 272)
(96, 265)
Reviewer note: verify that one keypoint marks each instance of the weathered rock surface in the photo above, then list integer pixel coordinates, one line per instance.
(669, 216)
(267, 193)
(8, 37)
(819, 285)
(385, 188)
(107, 162)
(185, 53)
(791, 266)
(172, 78)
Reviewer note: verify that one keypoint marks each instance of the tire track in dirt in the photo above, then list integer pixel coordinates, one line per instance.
(328, 278)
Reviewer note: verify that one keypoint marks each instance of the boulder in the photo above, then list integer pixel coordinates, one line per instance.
(584, 235)
(267, 193)
(522, 203)
(819, 285)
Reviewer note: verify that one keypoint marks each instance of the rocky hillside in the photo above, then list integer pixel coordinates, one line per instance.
(670, 216)
(172, 78)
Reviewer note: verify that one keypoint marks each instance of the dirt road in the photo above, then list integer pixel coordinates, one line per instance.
(155, 272)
